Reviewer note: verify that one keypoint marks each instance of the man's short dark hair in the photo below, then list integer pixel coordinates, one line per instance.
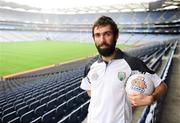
(103, 21)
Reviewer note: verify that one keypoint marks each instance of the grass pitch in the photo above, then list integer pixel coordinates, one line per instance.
(21, 56)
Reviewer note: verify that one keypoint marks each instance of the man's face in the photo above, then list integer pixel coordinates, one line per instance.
(105, 40)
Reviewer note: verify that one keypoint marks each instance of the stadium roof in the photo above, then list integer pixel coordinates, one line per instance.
(90, 6)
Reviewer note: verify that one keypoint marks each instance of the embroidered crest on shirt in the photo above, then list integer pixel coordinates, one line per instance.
(121, 76)
(94, 76)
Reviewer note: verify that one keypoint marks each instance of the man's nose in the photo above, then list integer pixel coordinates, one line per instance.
(102, 38)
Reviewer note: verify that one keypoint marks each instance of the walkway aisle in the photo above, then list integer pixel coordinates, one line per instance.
(171, 106)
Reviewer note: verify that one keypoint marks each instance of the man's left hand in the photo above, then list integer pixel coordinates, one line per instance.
(138, 99)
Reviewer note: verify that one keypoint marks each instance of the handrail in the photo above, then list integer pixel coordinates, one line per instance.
(148, 114)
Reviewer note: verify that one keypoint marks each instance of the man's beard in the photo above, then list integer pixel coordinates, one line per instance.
(108, 50)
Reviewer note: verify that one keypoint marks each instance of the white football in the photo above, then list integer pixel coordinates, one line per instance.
(139, 83)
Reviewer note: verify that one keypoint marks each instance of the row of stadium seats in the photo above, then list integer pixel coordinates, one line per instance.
(26, 115)
(123, 17)
(77, 27)
(79, 36)
(40, 96)
(9, 91)
(40, 99)
(77, 115)
(30, 97)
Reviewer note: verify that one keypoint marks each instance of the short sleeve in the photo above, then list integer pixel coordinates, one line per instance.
(155, 78)
(85, 84)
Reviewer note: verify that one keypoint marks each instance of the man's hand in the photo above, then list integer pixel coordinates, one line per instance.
(138, 99)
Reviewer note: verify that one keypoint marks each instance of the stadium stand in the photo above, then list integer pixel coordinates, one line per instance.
(28, 26)
(58, 98)
(49, 100)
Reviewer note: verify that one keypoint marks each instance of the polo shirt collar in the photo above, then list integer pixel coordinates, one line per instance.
(119, 55)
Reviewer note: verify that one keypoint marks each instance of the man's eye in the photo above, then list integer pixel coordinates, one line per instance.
(96, 35)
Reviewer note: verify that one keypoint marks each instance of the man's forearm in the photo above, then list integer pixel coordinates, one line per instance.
(159, 91)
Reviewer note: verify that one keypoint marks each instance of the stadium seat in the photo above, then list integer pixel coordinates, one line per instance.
(19, 97)
(27, 117)
(64, 120)
(61, 91)
(61, 111)
(82, 97)
(7, 106)
(60, 99)
(69, 94)
(71, 104)
(30, 101)
(39, 97)
(12, 100)
(77, 90)
(22, 110)
(8, 110)
(75, 116)
(2, 104)
(2, 101)
(47, 93)
(44, 100)
(9, 117)
(49, 117)
(53, 95)
(40, 110)
(34, 104)
(78, 101)
(55, 90)
(84, 110)
(18, 101)
(35, 94)
(37, 120)
(52, 104)
(19, 105)
(15, 120)
(27, 98)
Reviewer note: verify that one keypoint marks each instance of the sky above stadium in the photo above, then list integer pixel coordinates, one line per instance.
(54, 4)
